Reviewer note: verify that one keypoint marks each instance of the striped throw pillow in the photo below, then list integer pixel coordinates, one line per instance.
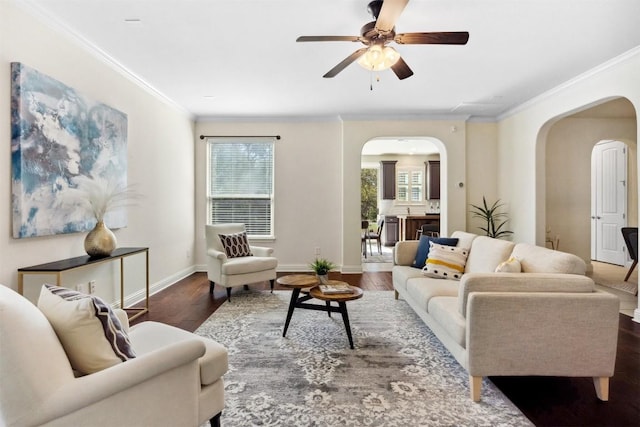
(445, 262)
(90, 332)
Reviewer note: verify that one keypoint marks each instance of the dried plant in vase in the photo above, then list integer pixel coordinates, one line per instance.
(99, 196)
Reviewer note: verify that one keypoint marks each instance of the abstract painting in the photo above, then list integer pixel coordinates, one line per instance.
(59, 137)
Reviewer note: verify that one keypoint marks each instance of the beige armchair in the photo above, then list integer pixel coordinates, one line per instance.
(229, 271)
(174, 380)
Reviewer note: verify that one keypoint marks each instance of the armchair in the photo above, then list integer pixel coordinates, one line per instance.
(175, 378)
(229, 271)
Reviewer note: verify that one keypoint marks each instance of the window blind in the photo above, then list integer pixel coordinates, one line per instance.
(240, 184)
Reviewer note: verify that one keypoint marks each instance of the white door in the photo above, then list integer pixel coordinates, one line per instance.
(608, 201)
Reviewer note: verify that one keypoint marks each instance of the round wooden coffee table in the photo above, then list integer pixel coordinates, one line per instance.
(298, 282)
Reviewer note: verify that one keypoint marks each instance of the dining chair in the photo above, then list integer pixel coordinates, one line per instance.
(431, 230)
(630, 235)
(377, 236)
(364, 226)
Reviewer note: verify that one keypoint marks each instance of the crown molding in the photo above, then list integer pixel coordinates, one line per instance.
(569, 83)
(55, 24)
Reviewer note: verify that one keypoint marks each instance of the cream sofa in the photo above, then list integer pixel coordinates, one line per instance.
(546, 320)
(174, 380)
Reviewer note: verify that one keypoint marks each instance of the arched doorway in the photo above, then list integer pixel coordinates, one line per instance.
(567, 164)
(406, 165)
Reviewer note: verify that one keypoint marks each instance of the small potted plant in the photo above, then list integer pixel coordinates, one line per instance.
(322, 267)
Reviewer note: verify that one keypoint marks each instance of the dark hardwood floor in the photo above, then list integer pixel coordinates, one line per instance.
(546, 401)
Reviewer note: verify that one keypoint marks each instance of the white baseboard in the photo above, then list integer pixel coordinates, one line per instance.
(154, 288)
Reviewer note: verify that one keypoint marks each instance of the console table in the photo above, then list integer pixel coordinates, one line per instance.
(58, 267)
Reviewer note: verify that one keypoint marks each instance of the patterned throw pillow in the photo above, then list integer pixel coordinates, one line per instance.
(512, 265)
(235, 245)
(90, 332)
(425, 244)
(446, 262)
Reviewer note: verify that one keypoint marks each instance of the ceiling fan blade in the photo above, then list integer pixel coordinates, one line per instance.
(391, 10)
(345, 62)
(328, 39)
(401, 69)
(457, 37)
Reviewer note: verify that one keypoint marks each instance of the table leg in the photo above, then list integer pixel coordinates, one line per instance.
(345, 318)
(292, 304)
(328, 308)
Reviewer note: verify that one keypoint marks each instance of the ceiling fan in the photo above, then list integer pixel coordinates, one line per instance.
(376, 36)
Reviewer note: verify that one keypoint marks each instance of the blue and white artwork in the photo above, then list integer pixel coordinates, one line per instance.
(58, 138)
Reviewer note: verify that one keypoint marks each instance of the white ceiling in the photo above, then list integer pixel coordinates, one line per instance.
(239, 59)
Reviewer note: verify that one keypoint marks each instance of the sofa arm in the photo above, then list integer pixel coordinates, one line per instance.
(261, 251)
(551, 334)
(519, 282)
(405, 252)
(88, 390)
(216, 254)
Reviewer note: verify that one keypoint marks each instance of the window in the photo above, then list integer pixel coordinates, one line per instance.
(240, 183)
(409, 185)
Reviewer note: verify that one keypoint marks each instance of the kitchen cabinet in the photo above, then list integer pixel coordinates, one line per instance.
(388, 168)
(433, 179)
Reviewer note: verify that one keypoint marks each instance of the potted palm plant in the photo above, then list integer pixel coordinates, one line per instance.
(494, 219)
(322, 267)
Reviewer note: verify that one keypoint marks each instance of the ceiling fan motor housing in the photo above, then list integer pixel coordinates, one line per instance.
(374, 8)
(369, 32)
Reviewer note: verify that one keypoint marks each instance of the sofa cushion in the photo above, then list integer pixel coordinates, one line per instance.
(89, 330)
(149, 336)
(465, 240)
(444, 310)
(512, 265)
(236, 244)
(423, 289)
(446, 262)
(486, 253)
(425, 244)
(401, 275)
(537, 259)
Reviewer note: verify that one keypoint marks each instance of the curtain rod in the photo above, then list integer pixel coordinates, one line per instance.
(239, 136)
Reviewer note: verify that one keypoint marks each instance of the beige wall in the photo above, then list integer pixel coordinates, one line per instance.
(308, 188)
(569, 146)
(482, 160)
(160, 155)
(522, 139)
(317, 186)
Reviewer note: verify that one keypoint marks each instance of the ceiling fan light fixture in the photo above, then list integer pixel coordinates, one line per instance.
(378, 58)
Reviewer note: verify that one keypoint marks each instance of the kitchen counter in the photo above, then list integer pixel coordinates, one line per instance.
(409, 224)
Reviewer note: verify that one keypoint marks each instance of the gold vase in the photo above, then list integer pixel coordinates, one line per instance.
(100, 241)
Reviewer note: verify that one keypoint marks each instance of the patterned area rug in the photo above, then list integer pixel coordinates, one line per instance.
(398, 374)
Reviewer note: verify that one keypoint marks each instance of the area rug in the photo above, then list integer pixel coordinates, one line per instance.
(398, 374)
(386, 256)
(612, 276)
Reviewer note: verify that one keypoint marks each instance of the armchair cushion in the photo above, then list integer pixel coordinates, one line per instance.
(235, 245)
(89, 330)
(246, 265)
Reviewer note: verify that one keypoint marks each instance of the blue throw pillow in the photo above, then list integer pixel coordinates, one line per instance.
(423, 248)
